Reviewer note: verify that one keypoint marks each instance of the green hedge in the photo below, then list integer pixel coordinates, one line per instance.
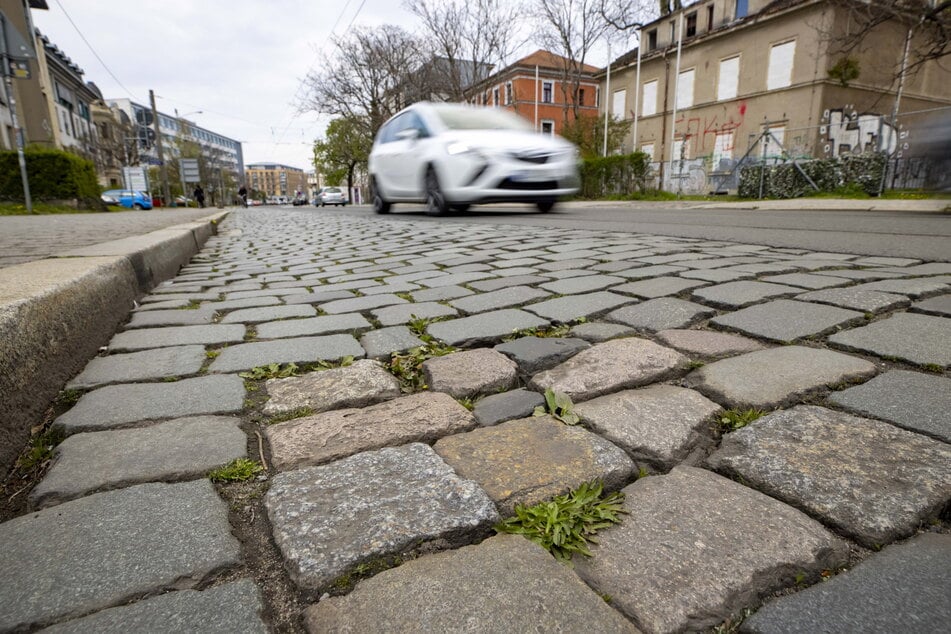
(785, 181)
(53, 174)
(622, 174)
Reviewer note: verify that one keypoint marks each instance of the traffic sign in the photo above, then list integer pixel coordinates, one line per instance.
(189, 170)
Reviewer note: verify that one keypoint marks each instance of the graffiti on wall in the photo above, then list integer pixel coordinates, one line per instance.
(845, 131)
(706, 129)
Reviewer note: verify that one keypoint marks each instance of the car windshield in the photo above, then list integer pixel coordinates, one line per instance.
(332, 190)
(456, 118)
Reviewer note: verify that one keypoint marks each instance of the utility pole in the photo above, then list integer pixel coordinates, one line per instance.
(11, 101)
(163, 168)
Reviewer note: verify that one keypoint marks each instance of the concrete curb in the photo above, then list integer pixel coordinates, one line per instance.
(56, 313)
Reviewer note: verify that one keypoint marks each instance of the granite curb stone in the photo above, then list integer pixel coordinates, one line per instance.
(122, 405)
(328, 519)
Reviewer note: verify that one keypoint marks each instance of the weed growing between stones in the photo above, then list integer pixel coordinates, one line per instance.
(404, 295)
(40, 450)
(693, 365)
(933, 368)
(542, 332)
(193, 304)
(67, 398)
(345, 582)
(734, 419)
(270, 371)
(568, 523)
(732, 624)
(467, 403)
(408, 366)
(250, 333)
(238, 470)
(212, 354)
(559, 406)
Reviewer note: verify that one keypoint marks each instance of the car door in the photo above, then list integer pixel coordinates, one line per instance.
(412, 154)
(384, 161)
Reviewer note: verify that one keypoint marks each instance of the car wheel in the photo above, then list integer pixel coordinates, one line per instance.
(137, 206)
(460, 208)
(323, 205)
(380, 205)
(545, 206)
(436, 204)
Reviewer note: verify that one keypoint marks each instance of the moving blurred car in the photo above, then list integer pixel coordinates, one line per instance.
(332, 196)
(130, 198)
(451, 156)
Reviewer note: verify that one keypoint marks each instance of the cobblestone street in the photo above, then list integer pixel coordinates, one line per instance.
(376, 505)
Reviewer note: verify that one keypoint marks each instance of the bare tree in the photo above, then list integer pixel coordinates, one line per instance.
(570, 28)
(467, 39)
(928, 20)
(624, 17)
(367, 77)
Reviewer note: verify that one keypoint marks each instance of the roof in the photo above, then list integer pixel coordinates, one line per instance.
(547, 59)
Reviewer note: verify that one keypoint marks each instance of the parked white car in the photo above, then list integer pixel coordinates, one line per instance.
(451, 156)
(332, 196)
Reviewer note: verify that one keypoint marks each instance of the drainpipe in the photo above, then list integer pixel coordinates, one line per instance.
(637, 89)
(673, 116)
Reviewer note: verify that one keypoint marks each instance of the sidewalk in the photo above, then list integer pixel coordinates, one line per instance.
(797, 204)
(374, 498)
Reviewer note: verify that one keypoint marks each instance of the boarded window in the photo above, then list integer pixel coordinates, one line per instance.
(649, 101)
(722, 148)
(774, 149)
(648, 149)
(780, 65)
(680, 147)
(685, 89)
(728, 78)
(619, 103)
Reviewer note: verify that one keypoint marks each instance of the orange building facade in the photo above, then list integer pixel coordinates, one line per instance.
(534, 88)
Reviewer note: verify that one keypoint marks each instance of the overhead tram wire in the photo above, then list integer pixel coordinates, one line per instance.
(86, 42)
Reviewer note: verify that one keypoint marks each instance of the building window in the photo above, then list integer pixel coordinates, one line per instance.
(728, 78)
(649, 99)
(691, 24)
(648, 149)
(581, 96)
(508, 93)
(495, 96)
(722, 149)
(548, 89)
(685, 89)
(710, 17)
(681, 151)
(548, 127)
(779, 74)
(597, 96)
(652, 39)
(673, 31)
(742, 8)
(774, 143)
(619, 103)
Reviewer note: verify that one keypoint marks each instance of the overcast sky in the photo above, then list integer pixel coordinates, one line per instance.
(240, 62)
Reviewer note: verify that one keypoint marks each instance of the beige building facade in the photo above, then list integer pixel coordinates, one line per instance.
(746, 66)
(276, 180)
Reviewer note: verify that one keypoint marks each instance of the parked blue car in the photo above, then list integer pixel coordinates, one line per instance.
(129, 198)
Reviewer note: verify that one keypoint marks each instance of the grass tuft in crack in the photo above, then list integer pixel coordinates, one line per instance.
(734, 419)
(238, 470)
(270, 371)
(568, 523)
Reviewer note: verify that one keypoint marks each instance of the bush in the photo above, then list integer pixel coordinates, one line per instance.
(843, 174)
(53, 174)
(621, 174)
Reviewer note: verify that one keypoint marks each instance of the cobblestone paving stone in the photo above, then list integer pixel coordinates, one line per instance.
(696, 550)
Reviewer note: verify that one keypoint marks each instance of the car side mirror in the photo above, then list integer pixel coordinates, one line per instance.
(409, 134)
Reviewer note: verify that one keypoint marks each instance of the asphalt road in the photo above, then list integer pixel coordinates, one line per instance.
(909, 234)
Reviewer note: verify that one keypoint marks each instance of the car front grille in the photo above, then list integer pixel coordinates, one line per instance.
(533, 157)
(533, 186)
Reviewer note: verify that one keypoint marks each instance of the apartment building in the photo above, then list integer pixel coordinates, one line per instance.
(275, 179)
(537, 88)
(745, 66)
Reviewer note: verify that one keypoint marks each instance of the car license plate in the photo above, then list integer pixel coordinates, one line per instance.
(530, 176)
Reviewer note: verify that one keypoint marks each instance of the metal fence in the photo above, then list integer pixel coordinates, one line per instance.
(918, 146)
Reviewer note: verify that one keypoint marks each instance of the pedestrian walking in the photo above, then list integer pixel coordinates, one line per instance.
(243, 194)
(200, 196)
